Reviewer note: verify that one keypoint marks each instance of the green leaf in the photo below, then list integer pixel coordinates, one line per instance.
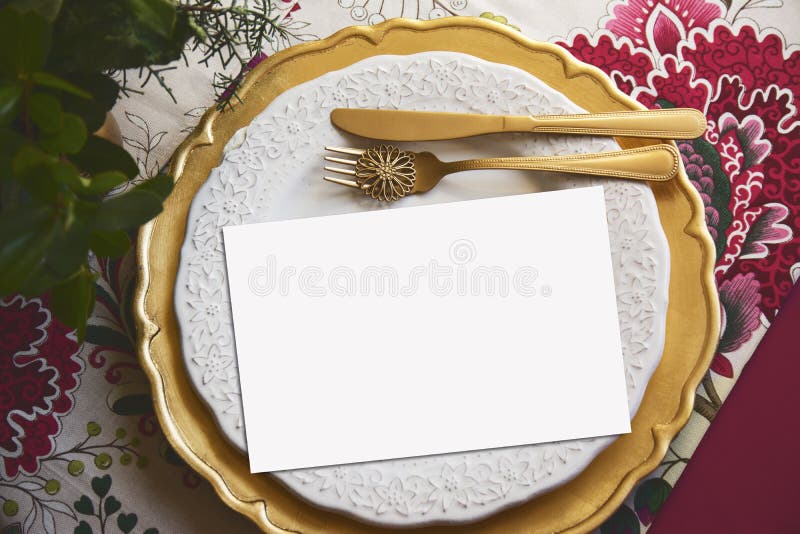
(126, 522)
(25, 234)
(69, 139)
(108, 337)
(128, 211)
(136, 404)
(66, 173)
(157, 15)
(24, 41)
(39, 283)
(127, 39)
(112, 505)
(101, 485)
(722, 189)
(32, 167)
(104, 181)
(10, 142)
(28, 159)
(9, 40)
(42, 188)
(104, 91)
(35, 42)
(72, 302)
(46, 8)
(45, 177)
(85, 211)
(623, 521)
(68, 252)
(84, 505)
(102, 86)
(650, 496)
(83, 528)
(110, 244)
(99, 155)
(45, 111)
(160, 184)
(9, 103)
(55, 82)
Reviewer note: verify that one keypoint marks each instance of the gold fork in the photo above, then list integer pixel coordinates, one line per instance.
(387, 173)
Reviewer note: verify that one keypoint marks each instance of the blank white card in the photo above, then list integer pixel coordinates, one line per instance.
(425, 330)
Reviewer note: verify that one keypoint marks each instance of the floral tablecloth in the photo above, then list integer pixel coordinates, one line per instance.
(81, 448)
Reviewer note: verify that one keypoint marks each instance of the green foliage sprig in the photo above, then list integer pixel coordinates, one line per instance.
(235, 33)
(230, 34)
(63, 64)
(54, 174)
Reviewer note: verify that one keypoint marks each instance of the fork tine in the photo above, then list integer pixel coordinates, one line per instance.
(349, 172)
(341, 160)
(345, 150)
(341, 181)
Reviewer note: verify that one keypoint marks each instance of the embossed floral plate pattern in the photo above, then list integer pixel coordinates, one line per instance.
(271, 170)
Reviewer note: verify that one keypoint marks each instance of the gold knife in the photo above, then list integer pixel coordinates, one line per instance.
(402, 125)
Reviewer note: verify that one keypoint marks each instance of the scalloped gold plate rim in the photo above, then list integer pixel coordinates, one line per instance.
(577, 506)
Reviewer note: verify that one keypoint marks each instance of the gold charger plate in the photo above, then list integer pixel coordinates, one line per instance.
(579, 505)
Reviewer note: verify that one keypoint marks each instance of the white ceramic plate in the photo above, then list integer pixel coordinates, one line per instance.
(272, 170)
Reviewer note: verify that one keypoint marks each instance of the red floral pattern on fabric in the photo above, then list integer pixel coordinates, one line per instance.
(626, 65)
(758, 61)
(676, 84)
(39, 369)
(661, 26)
(746, 167)
(747, 82)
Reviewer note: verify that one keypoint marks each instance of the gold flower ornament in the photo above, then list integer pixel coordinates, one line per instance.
(385, 172)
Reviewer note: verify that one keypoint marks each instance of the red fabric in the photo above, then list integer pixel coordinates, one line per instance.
(744, 475)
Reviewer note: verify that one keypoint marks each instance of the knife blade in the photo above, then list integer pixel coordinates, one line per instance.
(403, 125)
